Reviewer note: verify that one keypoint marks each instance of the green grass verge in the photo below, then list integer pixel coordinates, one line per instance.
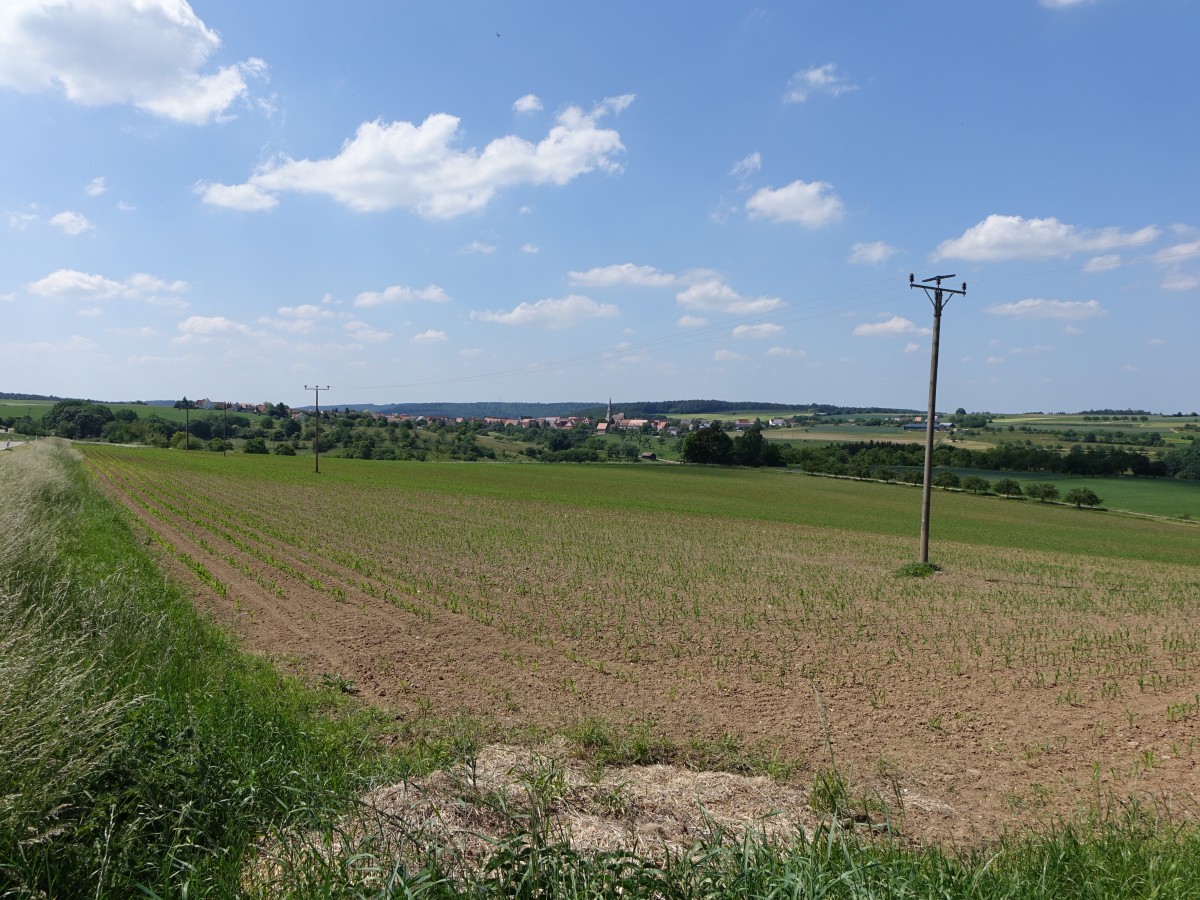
(138, 749)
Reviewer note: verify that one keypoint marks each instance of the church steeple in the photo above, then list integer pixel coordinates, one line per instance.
(608, 418)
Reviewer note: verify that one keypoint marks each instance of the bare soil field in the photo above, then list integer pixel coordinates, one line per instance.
(1014, 686)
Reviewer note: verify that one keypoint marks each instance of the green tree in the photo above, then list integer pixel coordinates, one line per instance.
(946, 480)
(255, 445)
(709, 445)
(1042, 491)
(1082, 497)
(285, 450)
(1008, 487)
(976, 485)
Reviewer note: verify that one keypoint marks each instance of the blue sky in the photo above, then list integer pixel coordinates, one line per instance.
(561, 201)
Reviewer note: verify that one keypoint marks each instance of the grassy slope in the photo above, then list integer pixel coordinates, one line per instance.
(199, 749)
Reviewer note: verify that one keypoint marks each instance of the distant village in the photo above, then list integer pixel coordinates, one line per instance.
(615, 422)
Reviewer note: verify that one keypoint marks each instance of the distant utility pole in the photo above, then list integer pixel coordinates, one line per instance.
(939, 297)
(187, 406)
(317, 443)
(224, 423)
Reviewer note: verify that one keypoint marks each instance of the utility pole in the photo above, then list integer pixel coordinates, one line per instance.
(224, 423)
(187, 406)
(939, 297)
(317, 442)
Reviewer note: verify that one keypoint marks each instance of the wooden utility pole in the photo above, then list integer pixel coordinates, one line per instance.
(317, 441)
(939, 297)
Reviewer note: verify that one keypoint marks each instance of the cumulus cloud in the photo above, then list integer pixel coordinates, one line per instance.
(429, 337)
(781, 351)
(297, 319)
(1102, 263)
(96, 187)
(1049, 309)
(1173, 257)
(817, 80)
(999, 238)
(552, 313)
(812, 204)
(724, 355)
(691, 322)
(72, 223)
(893, 327)
(747, 166)
(244, 197)
(622, 274)
(148, 53)
(479, 248)
(389, 165)
(530, 103)
(204, 329)
(870, 254)
(1062, 4)
(70, 284)
(530, 248)
(400, 294)
(757, 332)
(361, 331)
(712, 294)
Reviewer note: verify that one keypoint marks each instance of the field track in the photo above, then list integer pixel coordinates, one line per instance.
(1021, 681)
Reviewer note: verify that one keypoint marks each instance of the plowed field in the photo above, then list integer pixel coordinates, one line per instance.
(1053, 662)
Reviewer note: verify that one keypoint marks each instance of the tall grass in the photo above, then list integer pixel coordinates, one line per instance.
(138, 749)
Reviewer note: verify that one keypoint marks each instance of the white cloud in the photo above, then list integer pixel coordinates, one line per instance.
(361, 331)
(70, 284)
(72, 223)
(817, 80)
(89, 312)
(478, 248)
(469, 351)
(204, 329)
(691, 321)
(244, 197)
(724, 355)
(1175, 278)
(418, 167)
(712, 294)
(149, 53)
(622, 274)
(1102, 263)
(1049, 309)
(96, 187)
(1013, 237)
(1062, 4)
(870, 254)
(812, 204)
(429, 337)
(757, 332)
(995, 360)
(1178, 281)
(297, 319)
(1156, 342)
(144, 331)
(400, 294)
(530, 248)
(747, 166)
(552, 313)
(912, 347)
(530, 103)
(782, 351)
(893, 327)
